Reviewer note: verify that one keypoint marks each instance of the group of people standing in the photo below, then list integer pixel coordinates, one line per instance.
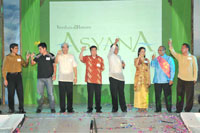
(67, 70)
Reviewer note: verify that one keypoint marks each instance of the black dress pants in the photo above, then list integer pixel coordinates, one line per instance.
(15, 83)
(117, 92)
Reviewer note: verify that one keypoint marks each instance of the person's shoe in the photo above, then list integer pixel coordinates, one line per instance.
(11, 111)
(21, 111)
(53, 111)
(98, 111)
(38, 111)
(157, 111)
(62, 111)
(124, 111)
(71, 111)
(0, 112)
(89, 111)
(199, 110)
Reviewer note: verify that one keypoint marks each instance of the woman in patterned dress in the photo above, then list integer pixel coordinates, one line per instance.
(142, 81)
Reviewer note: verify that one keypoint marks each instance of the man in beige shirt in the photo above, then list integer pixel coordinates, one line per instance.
(67, 77)
(187, 76)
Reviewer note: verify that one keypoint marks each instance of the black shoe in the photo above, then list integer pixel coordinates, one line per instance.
(71, 111)
(11, 111)
(21, 111)
(124, 111)
(0, 112)
(38, 111)
(199, 110)
(157, 111)
(89, 111)
(98, 111)
(62, 111)
(53, 111)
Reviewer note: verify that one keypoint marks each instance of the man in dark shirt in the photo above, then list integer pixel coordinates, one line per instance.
(45, 61)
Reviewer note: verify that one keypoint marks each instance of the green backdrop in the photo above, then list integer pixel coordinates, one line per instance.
(176, 24)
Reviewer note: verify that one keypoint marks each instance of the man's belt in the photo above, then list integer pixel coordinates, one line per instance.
(14, 73)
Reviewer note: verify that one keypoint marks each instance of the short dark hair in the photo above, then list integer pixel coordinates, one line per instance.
(187, 45)
(93, 47)
(113, 44)
(163, 48)
(12, 46)
(43, 45)
(140, 50)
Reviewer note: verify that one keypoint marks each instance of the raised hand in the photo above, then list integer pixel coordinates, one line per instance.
(83, 48)
(59, 52)
(32, 55)
(153, 57)
(170, 43)
(116, 40)
(141, 57)
(28, 56)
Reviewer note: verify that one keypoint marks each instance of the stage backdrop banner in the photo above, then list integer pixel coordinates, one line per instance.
(138, 23)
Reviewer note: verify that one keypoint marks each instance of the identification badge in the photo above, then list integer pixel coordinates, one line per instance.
(145, 61)
(189, 58)
(47, 58)
(18, 60)
(98, 65)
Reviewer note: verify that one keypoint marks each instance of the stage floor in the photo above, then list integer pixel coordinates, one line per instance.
(132, 121)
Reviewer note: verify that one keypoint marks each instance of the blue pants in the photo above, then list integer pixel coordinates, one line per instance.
(48, 83)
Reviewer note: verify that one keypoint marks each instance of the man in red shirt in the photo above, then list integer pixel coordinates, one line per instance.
(93, 77)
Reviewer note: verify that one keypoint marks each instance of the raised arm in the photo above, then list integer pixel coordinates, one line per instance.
(112, 49)
(81, 54)
(57, 56)
(25, 63)
(136, 62)
(173, 52)
(32, 59)
(153, 61)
